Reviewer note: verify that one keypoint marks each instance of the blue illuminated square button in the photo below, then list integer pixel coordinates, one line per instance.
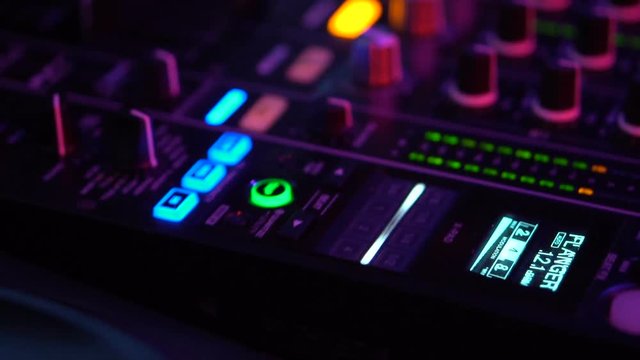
(204, 176)
(230, 149)
(176, 205)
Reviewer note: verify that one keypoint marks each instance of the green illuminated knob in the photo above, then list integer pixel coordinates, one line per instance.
(271, 193)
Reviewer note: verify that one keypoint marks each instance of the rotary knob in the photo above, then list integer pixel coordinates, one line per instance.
(66, 131)
(624, 311)
(595, 46)
(376, 58)
(625, 11)
(155, 80)
(515, 35)
(418, 18)
(129, 141)
(559, 95)
(339, 120)
(163, 75)
(476, 81)
(629, 117)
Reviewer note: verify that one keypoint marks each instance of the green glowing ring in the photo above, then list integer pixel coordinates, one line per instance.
(271, 193)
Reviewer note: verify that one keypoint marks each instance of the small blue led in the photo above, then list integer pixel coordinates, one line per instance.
(230, 149)
(204, 176)
(228, 105)
(176, 205)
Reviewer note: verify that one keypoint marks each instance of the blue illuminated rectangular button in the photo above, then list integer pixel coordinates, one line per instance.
(176, 205)
(204, 176)
(228, 105)
(230, 149)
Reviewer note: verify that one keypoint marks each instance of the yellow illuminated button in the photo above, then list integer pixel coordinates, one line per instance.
(585, 191)
(354, 17)
(264, 113)
(310, 65)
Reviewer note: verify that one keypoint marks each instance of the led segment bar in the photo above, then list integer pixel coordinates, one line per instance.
(407, 204)
(524, 154)
(495, 173)
(228, 105)
(353, 18)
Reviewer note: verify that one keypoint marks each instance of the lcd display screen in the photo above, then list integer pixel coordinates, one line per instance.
(533, 254)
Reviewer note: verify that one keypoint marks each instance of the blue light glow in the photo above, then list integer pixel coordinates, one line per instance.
(230, 149)
(204, 176)
(176, 205)
(407, 204)
(228, 105)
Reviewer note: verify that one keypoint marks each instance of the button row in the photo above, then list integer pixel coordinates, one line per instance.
(203, 177)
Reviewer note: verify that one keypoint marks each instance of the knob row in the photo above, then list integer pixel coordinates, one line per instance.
(559, 94)
(476, 85)
(594, 48)
(127, 138)
(376, 57)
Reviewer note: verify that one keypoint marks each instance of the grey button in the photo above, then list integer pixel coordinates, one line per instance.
(348, 250)
(391, 260)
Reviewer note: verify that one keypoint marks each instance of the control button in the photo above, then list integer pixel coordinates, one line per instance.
(629, 117)
(551, 5)
(130, 140)
(624, 313)
(391, 260)
(339, 175)
(595, 46)
(349, 250)
(310, 65)
(353, 18)
(67, 134)
(476, 82)
(366, 227)
(230, 149)
(176, 205)
(407, 238)
(228, 105)
(515, 35)
(339, 119)
(265, 113)
(417, 18)
(204, 176)
(376, 58)
(626, 11)
(271, 193)
(560, 91)
(297, 225)
(379, 208)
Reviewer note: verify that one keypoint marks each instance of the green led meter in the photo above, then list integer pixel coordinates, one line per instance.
(271, 193)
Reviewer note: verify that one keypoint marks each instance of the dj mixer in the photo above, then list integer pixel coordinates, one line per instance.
(335, 179)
